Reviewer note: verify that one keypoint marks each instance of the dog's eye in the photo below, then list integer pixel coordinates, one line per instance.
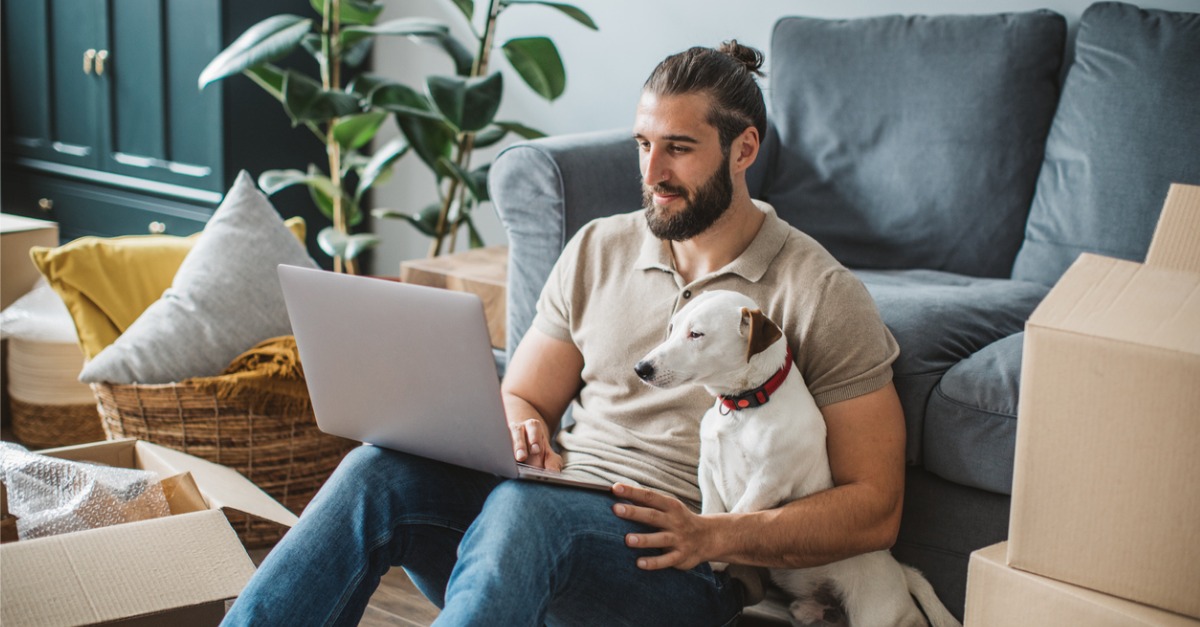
(695, 335)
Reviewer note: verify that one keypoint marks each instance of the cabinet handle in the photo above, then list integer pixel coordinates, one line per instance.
(157, 228)
(89, 59)
(45, 204)
(101, 57)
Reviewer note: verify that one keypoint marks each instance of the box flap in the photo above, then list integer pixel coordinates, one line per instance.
(1126, 302)
(122, 571)
(1176, 243)
(222, 486)
(10, 223)
(993, 587)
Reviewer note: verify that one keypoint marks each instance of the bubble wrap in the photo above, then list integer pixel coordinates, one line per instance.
(50, 496)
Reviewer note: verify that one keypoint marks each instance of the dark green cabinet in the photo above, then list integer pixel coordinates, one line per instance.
(105, 130)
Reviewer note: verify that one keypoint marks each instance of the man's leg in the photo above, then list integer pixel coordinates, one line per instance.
(379, 509)
(540, 554)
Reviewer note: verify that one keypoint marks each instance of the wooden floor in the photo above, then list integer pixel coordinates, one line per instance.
(395, 603)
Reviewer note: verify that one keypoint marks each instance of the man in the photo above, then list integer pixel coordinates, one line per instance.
(498, 552)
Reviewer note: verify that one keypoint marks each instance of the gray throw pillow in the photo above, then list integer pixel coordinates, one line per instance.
(225, 298)
(913, 141)
(1128, 126)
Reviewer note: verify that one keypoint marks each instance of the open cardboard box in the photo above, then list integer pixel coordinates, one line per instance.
(17, 235)
(179, 569)
(1001, 596)
(1106, 482)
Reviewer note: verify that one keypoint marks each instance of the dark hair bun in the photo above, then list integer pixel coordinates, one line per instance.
(749, 57)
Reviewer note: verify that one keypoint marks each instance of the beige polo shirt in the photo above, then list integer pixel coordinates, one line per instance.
(612, 294)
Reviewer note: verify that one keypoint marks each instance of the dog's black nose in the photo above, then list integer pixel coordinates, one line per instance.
(645, 370)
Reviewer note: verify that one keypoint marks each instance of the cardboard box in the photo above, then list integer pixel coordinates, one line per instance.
(1106, 483)
(17, 236)
(180, 569)
(1001, 596)
(482, 271)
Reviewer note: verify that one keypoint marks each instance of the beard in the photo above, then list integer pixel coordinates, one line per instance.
(701, 210)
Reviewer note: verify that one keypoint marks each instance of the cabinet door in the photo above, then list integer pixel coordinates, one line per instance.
(163, 128)
(54, 94)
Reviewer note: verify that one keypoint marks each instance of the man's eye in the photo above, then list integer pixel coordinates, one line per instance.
(679, 150)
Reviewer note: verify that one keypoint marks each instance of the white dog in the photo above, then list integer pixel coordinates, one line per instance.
(763, 445)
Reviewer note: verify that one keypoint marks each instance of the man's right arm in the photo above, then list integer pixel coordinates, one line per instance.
(541, 380)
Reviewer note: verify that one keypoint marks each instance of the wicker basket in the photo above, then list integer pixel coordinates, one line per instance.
(39, 426)
(272, 440)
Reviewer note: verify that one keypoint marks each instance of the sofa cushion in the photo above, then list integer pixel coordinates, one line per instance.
(971, 421)
(1126, 128)
(921, 149)
(939, 319)
(224, 299)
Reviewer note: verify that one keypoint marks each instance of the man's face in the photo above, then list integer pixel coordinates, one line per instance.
(686, 184)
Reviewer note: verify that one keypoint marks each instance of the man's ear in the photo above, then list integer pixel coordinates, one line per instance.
(744, 150)
(762, 332)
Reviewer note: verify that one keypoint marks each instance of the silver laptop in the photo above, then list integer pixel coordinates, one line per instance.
(406, 367)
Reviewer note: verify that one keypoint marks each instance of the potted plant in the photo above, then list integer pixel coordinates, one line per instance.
(442, 123)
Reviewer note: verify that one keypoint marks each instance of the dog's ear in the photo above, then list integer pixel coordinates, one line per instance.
(762, 332)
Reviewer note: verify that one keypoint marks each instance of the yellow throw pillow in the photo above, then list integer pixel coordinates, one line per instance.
(107, 283)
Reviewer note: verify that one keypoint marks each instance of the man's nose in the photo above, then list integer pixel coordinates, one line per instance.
(654, 170)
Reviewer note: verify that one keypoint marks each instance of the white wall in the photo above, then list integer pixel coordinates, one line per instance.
(606, 68)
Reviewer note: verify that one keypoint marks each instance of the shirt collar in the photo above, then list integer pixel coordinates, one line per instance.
(751, 265)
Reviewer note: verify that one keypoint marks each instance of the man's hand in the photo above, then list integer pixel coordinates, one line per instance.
(531, 444)
(686, 539)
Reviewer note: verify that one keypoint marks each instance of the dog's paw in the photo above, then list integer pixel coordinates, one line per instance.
(718, 567)
(807, 611)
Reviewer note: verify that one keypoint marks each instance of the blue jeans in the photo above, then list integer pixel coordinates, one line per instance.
(485, 550)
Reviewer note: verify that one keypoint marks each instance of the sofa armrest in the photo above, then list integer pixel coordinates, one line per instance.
(544, 191)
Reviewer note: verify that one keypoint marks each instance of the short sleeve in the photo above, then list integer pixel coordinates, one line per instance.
(847, 350)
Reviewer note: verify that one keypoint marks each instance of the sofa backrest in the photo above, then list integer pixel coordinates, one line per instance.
(1128, 126)
(913, 141)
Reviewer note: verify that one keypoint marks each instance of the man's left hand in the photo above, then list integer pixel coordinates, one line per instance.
(686, 538)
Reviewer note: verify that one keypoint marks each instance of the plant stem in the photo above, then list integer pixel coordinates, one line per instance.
(331, 79)
(466, 141)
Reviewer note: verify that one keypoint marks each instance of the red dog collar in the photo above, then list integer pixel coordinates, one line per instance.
(761, 394)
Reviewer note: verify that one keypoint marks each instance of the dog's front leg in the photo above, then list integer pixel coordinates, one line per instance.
(710, 497)
(762, 492)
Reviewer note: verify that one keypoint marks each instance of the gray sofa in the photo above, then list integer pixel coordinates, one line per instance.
(947, 162)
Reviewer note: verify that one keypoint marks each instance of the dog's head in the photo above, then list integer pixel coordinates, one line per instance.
(719, 340)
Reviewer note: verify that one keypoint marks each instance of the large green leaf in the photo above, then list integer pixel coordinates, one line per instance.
(449, 168)
(426, 131)
(464, 59)
(431, 139)
(352, 11)
(537, 60)
(404, 27)
(467, 7)
(272, 181)
(322, 191)
(266, 41)
(305, 100)
(476, 240)
(402, 100)
(348, 246)
(574, 13)
(380, 162)
(269, 77)
(354, 131)
(469, 104)
(424, 221)
(479, 176)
